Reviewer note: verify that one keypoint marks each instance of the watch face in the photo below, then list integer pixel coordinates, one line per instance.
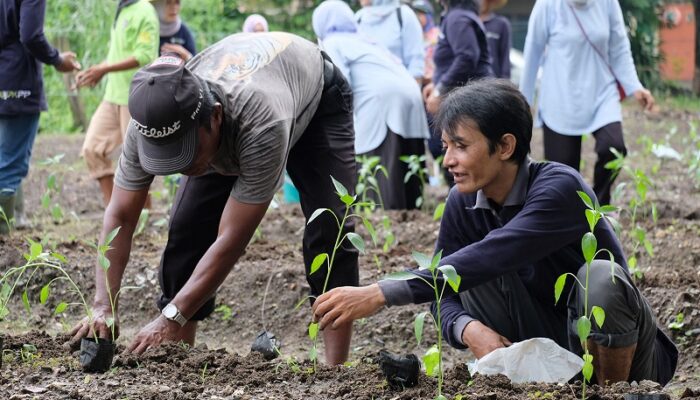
(170, 311)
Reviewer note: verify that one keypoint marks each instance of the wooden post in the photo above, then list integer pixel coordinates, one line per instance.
(77, 108)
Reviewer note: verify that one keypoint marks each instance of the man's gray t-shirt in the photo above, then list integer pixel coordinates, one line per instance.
(272, 84)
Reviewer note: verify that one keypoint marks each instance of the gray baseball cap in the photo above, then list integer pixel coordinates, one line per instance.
(165, 102)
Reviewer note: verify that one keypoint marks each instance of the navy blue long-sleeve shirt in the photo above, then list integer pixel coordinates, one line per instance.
(183, 37)
(537, 233)
(23, 49)
(498, 37)
(462, 52)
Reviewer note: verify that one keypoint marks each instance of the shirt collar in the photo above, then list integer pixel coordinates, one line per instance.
(517, 194)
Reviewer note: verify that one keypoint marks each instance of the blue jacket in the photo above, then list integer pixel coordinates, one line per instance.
(462, 52)
(183, 37)
(23, 49)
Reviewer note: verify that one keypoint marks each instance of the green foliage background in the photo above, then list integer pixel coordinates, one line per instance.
(86, 25)
(643, 20)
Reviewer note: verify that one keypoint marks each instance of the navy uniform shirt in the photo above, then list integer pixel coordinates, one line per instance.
(183, 37)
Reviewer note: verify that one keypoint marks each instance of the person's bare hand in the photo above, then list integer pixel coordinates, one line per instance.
(91, 76)
(68, 62)
(97, 324)
(427, 91)
(432, 104)
(482, 340)
(154, 334)
(177, 49)
(346, 304)
(645, 99)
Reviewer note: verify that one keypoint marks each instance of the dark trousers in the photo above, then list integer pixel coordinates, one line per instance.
(567, 150)
(506, 306)
(325, 149)
(397, 195)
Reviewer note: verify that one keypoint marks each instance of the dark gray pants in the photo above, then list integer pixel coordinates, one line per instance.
(397, 194)
(325, 149)
(567, 150)
(506, 306)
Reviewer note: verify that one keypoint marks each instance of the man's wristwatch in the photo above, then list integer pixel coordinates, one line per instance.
(170, 312)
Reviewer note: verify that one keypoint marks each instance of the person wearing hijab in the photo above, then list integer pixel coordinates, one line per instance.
(255, 23)
(587, 57)
(388, 109)
(424, 11)
(175, 37)
(396, 27)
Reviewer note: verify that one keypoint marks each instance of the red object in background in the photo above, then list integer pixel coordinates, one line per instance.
(678, 42)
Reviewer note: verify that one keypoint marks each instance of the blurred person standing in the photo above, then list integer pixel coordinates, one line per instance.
(133, 43)
(498, 37)
(388, 109)
(425, 13)
(462, 52)
(396, 27)
(175, 36)
(23, 50)
(255, 23)
(586, 70)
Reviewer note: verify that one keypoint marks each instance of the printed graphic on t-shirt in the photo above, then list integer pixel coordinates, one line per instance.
(242, 57)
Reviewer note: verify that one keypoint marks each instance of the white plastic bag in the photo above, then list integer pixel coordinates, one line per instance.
(532, 360)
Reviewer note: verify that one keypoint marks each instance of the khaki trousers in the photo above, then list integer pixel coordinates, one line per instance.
(105, 133)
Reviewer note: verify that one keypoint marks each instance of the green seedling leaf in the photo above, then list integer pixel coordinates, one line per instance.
(51, 182)
(407, 177)
(648, 247)
(317, 262)
(57, 212)
(35, 250)
(583, 328)
(109, 322)
(607, 209)
(400, 276)
(451, 275)
(439, 210)
(589, 245)
(424, 261)
(418, 326)
(435, 261)
(592, 217)
(46, 201)
(431, 359)
(598, 315)
(44, 294)
(441, 397)
(654, 213)
(388, 241)
(586, 199)
(59, 257)
(110, 237)
(103, 261)
(587, 369)
(559, 287)
(313, 353)
(313, 330)
(370, 229)
(615, 224)
(25, 301)
(348, 200)
(357, 241)
(316, 213)
(339, 188)
(61, 307)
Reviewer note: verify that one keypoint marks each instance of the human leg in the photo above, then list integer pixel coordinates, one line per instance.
(194, 225)
(392, 189)
(103, 136)
(609, 136)
(17, 134)
(327, 149)
(625, 347)
(562, 148)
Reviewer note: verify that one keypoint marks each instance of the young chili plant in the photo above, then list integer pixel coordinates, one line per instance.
(53, 189)
(433, 357)
(355, 240)
(589, 247)
(640, 207)
(417, 169)
(367, 183)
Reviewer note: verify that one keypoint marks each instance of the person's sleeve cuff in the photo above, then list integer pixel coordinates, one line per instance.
(396, 293)
(458, 327)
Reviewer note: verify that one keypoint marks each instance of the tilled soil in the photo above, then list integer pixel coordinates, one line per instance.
(671, 283)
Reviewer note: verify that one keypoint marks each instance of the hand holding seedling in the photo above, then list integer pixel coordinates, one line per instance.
(345, 304)
(481, 339)
(156, 332)
(95, 324)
